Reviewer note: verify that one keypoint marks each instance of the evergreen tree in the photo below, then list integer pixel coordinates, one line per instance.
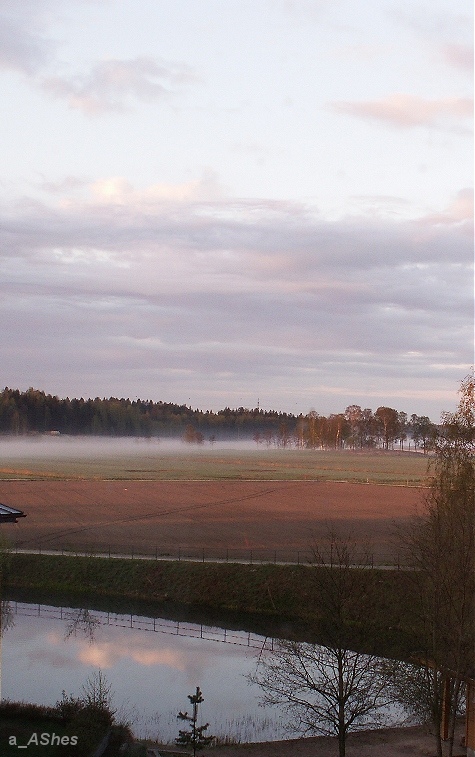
(195, 735)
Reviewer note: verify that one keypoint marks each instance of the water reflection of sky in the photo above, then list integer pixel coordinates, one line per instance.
(150, 672)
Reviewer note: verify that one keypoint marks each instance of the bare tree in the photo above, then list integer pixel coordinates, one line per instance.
(97, 694)
(353, 414)
(423, 432)
(330, 689)
(313, 438)
(192, 435)
(6, 617)
(388, 421)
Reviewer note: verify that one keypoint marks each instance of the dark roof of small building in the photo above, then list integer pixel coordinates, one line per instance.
(10, 514)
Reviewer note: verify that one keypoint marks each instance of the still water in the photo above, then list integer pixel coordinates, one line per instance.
(151, 665)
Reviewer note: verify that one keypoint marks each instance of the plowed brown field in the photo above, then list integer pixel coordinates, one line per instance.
(145, 516)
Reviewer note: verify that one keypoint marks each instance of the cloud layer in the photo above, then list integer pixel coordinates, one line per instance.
(222, 294)
(267, 202)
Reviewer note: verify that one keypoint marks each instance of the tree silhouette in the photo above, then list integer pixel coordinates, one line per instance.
(195, 736)
(330, 689)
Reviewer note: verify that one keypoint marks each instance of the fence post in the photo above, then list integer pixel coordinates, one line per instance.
(227, 555)
(179, 554)
(275, 556)
(203, 557)
(156, 553)
(251, 557)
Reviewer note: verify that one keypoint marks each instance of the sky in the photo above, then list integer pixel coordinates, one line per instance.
(233, 202)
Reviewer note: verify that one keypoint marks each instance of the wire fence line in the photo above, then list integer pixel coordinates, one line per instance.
(78, 620)
(387, 559)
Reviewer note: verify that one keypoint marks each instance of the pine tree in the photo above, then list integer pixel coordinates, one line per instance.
(195, 736)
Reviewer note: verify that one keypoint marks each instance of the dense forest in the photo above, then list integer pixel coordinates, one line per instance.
(34, 412)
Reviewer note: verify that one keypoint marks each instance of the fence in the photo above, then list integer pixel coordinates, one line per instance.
(88, 620)
(383, 558)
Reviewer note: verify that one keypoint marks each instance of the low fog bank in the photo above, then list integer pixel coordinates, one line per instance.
(100, 446)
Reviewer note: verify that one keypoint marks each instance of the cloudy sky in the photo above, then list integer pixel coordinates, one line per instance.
(222, 201)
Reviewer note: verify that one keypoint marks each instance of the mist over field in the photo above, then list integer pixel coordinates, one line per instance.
(70, 447)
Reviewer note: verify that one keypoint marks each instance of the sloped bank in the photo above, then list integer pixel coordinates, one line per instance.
(286, 601)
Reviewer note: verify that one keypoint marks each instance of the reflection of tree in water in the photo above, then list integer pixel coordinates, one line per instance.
(82, 621)
(6, 621)
(6, 616)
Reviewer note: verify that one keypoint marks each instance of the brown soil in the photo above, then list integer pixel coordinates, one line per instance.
(283, 515)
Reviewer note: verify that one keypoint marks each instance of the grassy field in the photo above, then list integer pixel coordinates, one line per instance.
(142, 461)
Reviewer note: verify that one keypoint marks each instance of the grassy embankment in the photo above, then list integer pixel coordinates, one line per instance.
(276, 600)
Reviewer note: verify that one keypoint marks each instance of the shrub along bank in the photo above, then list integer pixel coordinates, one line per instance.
(286, 600)
(72, 727)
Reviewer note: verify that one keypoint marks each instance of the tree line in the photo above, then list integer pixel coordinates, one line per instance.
(35, 412)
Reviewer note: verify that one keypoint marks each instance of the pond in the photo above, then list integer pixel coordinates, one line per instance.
(151, 664)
